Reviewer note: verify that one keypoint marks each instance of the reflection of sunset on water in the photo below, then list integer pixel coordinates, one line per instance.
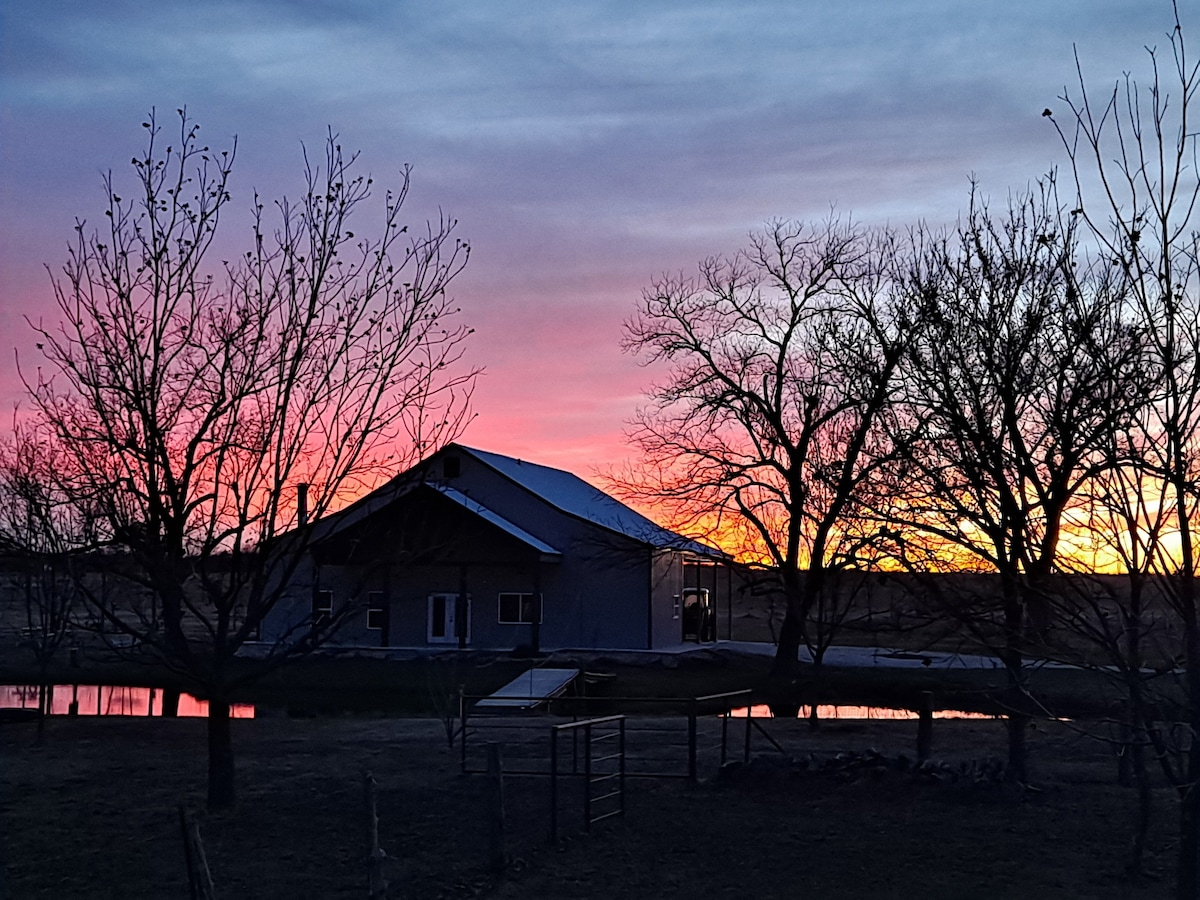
(762, 711)
(110, 700)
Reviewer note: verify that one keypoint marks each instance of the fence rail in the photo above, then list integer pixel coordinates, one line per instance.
(665, 737)
(591, 757)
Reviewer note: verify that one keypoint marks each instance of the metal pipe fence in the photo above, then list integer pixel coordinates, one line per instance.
(610, 776)
(666, 737)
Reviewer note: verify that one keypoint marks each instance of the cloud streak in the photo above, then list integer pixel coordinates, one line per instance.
(585, 147)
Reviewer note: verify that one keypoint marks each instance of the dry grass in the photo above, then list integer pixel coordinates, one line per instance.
(93, 814)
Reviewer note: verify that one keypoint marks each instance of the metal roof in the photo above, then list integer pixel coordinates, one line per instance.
(571, 494)
(498, 520)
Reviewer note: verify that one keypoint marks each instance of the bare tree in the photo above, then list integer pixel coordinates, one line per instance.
(39, 531)
(1114, 614)
(1013, 386)
(780, 360)
(1133, 154)
(190, 401)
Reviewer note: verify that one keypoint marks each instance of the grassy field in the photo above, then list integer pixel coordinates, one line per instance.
(93, 814)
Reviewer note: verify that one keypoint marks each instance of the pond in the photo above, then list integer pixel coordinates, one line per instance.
(108, 700)
(763, 711)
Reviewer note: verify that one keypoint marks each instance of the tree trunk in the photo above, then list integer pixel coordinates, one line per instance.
(1018, 751)
(175, 643)
(1133, 714)
(170, 702)
(1186, 886)
(1145, 807)
(1188, 877)
(1013, 658)
(1017, 723)
(1187, 882)
(44, 701)
(1132, 770)
(818, 674)
(787, 651)
(791, 632)
(222, 790)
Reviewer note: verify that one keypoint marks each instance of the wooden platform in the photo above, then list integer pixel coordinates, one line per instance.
(529, 690)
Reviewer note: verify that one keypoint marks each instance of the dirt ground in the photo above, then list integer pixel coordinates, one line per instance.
(93, 814)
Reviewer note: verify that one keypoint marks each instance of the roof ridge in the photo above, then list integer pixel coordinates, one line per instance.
(618, 517)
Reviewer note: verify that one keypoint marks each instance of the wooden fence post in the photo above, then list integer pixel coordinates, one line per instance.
(376, 880)
(497, 858)
(554, 784)
(200, 885)
(692, 740)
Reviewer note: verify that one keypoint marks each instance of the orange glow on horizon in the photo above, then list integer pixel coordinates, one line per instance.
(881, 713)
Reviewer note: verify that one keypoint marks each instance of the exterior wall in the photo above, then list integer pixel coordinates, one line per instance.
(667, 586)
(292, 613)
(404, 592)
(599, 606)
(598, 596)
(571, 617)
(583, 605)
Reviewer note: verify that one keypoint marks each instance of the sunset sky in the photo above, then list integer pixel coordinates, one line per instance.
(584, 147)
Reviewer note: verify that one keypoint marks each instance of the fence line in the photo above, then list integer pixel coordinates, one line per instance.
(525, 741)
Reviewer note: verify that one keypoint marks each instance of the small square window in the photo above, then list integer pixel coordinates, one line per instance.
(375, 611)
(520, 609)
(451, 467)
(322, 608)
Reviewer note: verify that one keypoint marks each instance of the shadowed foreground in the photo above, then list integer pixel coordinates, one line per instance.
(93, 814)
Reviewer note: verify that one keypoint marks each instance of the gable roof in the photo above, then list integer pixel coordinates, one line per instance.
(560, 489)
(406, 485)
(572, 495)
(498, 520)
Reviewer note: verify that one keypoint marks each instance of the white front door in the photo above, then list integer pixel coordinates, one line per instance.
(443, 618)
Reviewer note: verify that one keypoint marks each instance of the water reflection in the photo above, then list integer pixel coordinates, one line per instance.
(108, 700)
(763, 711)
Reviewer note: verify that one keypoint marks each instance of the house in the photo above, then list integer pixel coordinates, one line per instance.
(477, 550)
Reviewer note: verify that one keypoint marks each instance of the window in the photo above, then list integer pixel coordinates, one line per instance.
(520, 609)
(322, 608)
(451, 467)
(439, 614)
(375, 611)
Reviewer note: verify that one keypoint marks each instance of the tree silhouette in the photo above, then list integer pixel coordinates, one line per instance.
(1019, 370)
(1134, 157)
(780, 361)
(189, 401)
(42, 537)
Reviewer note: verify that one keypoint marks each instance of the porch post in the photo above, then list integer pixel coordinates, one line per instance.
(728, 599)
(460, 609)
(535, 627)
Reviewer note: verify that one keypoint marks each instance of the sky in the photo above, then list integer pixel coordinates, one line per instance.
(584, 147)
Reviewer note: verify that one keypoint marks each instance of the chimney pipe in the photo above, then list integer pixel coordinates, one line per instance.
(302, 504)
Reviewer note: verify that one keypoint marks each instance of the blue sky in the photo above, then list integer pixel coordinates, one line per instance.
(584, 147)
